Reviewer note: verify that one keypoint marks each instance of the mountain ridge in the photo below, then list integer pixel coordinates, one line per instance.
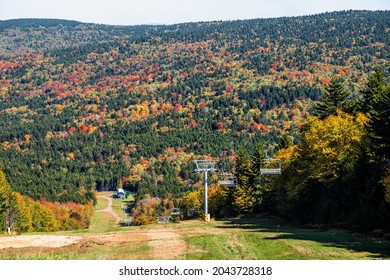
(73, 21)
(145, 32)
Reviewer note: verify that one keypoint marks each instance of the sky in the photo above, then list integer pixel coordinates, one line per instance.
(135, 12)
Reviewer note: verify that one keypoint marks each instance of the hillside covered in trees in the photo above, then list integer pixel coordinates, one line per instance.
(87, 107)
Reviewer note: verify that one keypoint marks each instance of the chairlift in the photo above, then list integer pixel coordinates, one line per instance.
(228, 180)
(175, 212)
(192, 212)
(127, 223)
(270, 166)
(162, 219)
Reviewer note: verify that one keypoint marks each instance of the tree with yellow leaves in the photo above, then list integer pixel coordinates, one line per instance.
(8, 206)
(331, 147)
(25, 215)
(219, 203)
(312, 185)
(193, 201)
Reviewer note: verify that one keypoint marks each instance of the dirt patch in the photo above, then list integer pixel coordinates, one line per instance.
(166, 245)
(51, 241)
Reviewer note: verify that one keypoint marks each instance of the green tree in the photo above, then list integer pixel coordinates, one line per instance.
(242, 199)
(335, 98)
(284, 142)
(373, 92)
(376, 102)
(249, 192)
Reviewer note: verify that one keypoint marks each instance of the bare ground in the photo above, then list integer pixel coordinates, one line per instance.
(51, 241)
(161, 243)
(166, 245)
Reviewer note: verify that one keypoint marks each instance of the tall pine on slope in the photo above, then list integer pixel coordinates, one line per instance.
(376, 102)
(334, 98)
(248, 195)
(372, 92)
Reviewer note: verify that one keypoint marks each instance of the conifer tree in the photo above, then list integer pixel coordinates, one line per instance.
(249, 192)
(376, 102)
(335, 97)
(372, 92)
(284, 142)
(242, 200)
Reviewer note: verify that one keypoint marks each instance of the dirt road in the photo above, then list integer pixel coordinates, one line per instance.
(109, 209)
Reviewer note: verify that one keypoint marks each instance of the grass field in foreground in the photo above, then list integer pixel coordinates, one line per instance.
(263, 239)
(233, 239)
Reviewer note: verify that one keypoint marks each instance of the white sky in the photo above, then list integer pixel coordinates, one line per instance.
(133, 12)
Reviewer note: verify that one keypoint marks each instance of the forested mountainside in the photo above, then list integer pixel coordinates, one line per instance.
(86, 106)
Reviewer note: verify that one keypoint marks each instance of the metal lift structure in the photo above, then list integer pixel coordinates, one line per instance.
(206, 166)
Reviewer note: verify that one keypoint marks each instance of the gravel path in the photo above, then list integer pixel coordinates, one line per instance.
(109, 209)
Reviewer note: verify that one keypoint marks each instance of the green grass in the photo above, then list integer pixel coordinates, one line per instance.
(103, 221)
(264, 239)
(101, 204)
(117, 207)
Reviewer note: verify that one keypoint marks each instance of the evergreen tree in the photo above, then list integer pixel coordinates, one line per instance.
(379, 125)
(249, 193)
(376, 102)
(335, 97)
(284, 142)
(242, 200)
(372, 92)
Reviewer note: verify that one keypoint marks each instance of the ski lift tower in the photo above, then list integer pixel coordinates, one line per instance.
(205, 166)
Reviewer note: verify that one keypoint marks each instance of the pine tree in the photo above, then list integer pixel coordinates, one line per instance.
(284, 142)
(249, 193)
(376, 102)
(335, 97)
(372, 92)
(243, 201)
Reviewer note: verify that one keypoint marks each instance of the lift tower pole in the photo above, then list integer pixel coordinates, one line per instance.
(205, 166)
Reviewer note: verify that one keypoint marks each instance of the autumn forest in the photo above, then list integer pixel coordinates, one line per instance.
(87, 108)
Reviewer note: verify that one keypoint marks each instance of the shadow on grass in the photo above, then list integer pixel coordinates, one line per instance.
(376, 247)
